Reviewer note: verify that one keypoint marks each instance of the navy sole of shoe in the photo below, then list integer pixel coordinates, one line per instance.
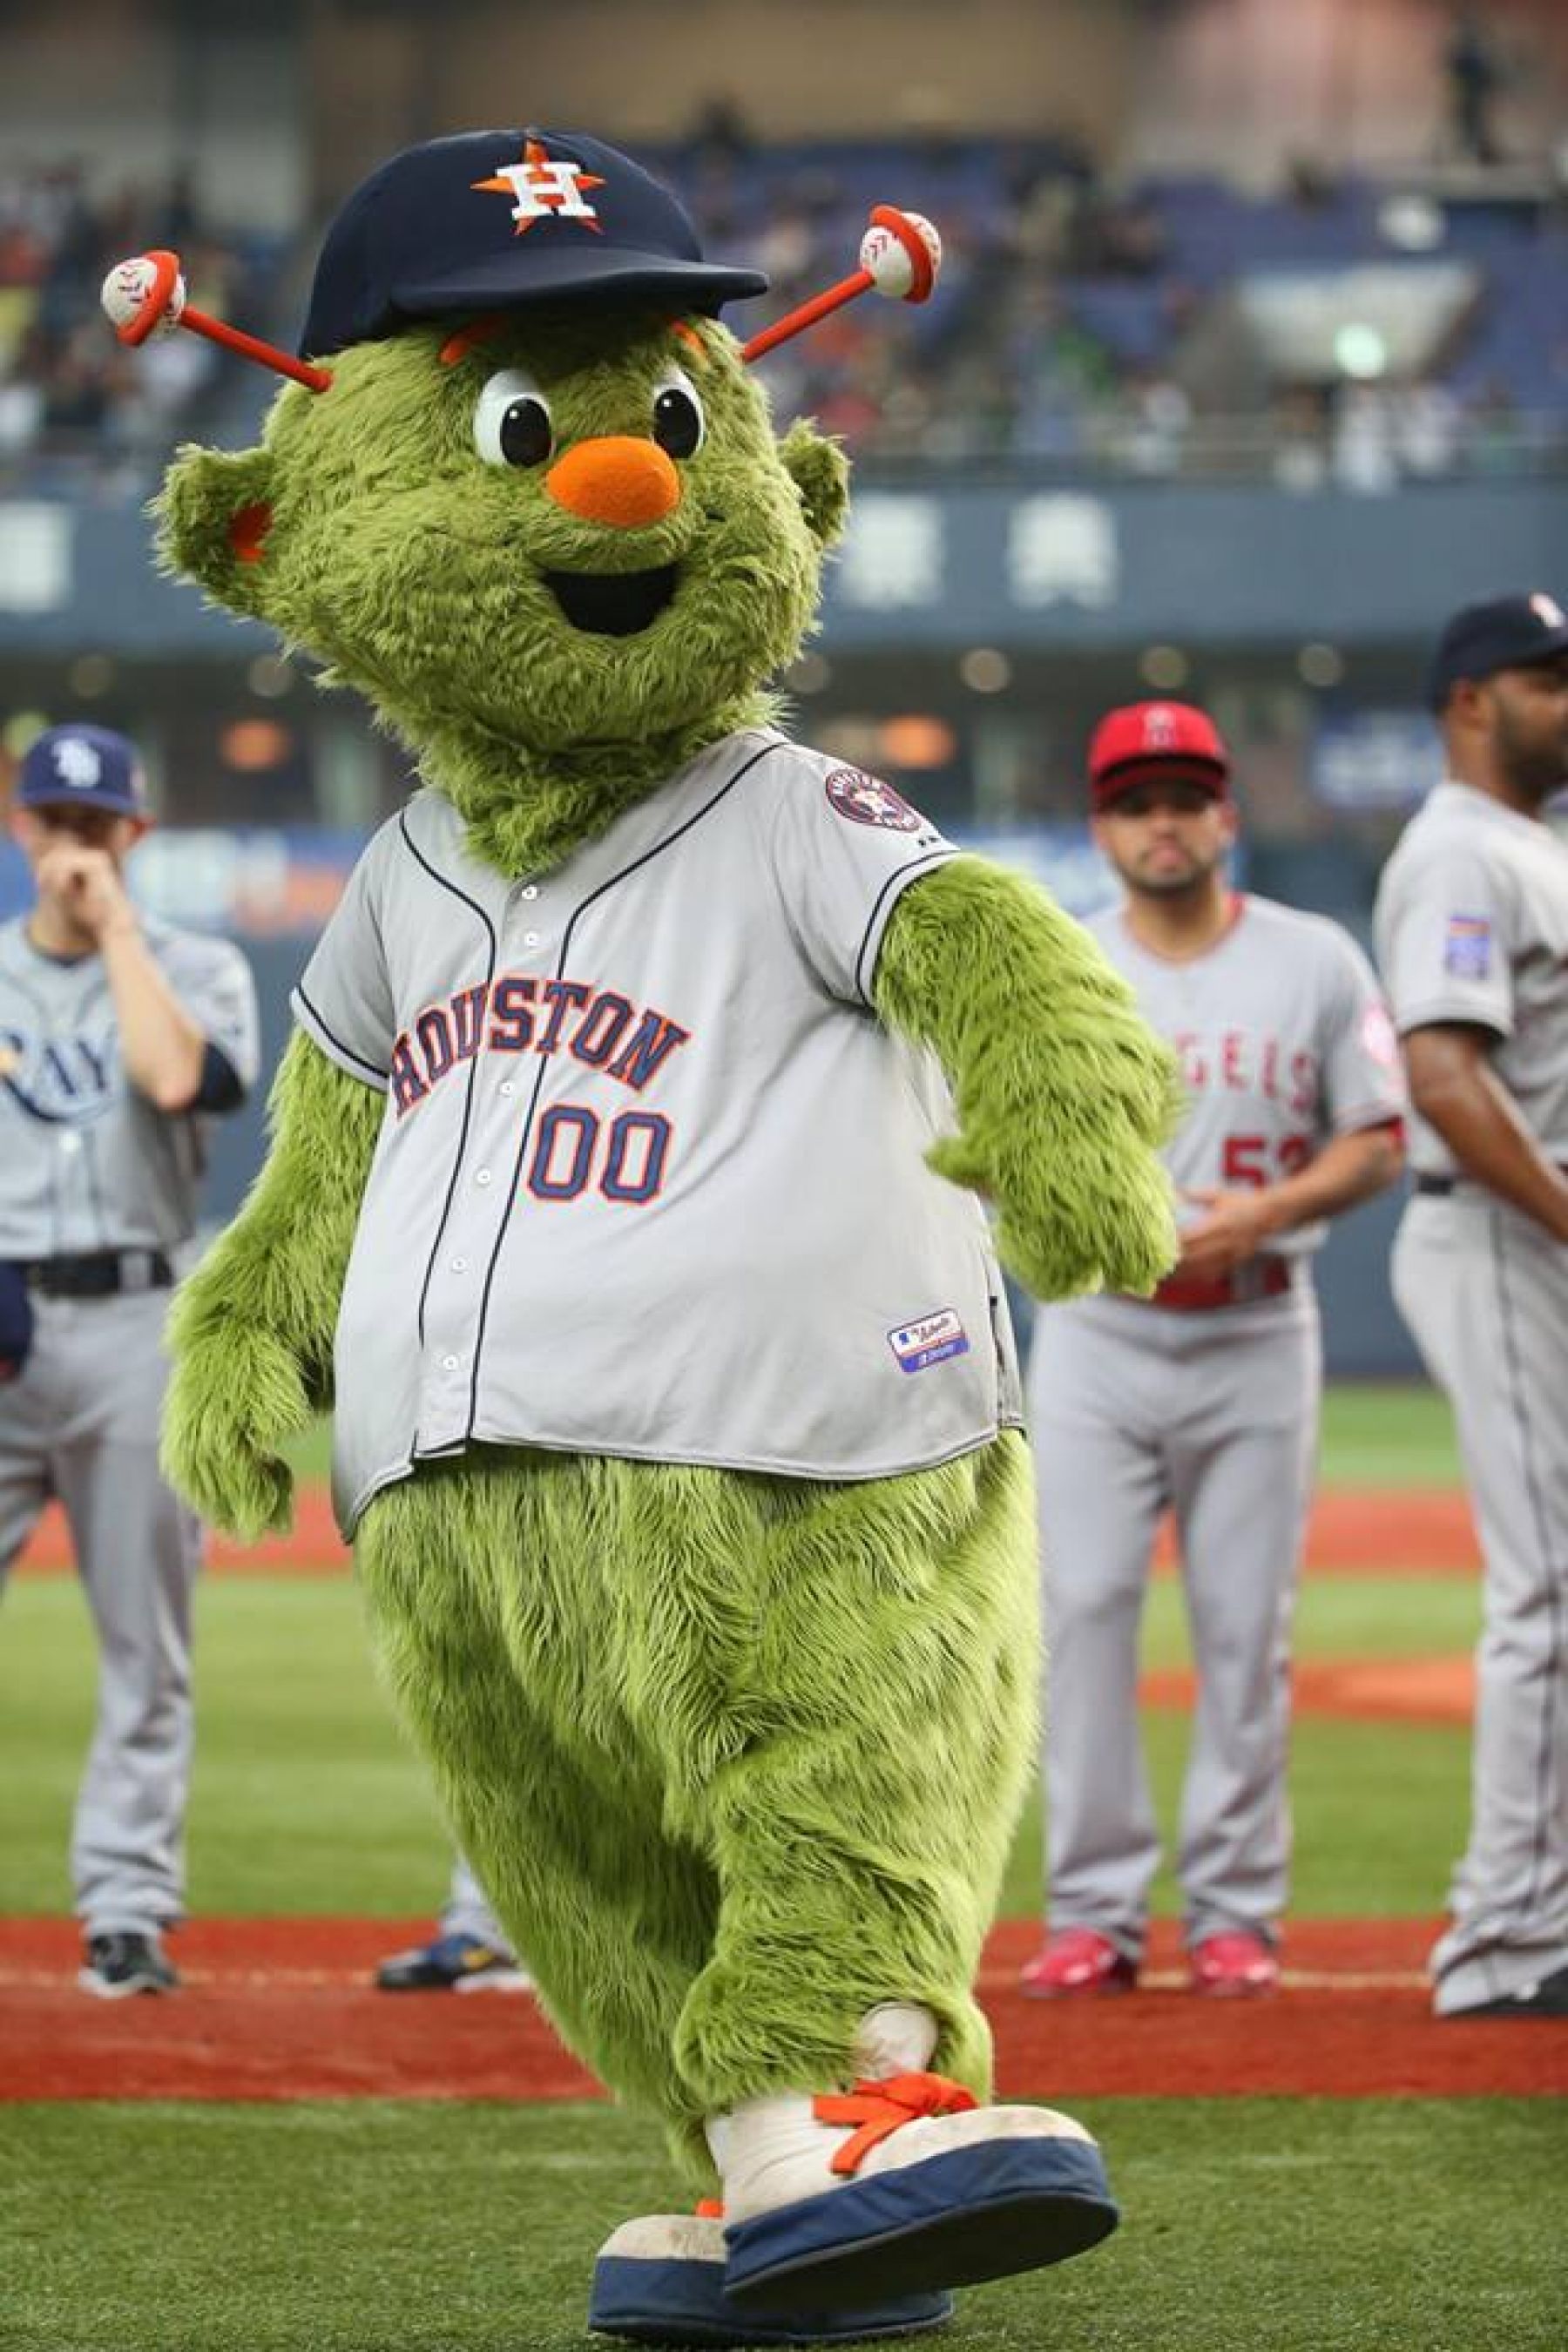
(980, 2212)
(674, 2303)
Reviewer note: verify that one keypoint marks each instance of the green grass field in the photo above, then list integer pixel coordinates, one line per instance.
(1251, 2225)
(1258, 2225)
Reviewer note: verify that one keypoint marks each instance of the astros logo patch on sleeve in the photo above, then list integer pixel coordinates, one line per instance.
(865, 800)
(1468, 948)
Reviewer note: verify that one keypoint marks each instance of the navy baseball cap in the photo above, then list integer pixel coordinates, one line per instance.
(1506, 633)
(506, 220)
(84, 767)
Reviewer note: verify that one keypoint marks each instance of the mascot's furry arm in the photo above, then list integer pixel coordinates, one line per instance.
(251, 1331)
(1064, 1094)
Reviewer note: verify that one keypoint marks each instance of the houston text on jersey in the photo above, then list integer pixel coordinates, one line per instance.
(518, 1014)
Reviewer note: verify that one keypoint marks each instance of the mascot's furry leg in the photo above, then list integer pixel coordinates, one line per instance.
(738, 1761)
(735, 1759)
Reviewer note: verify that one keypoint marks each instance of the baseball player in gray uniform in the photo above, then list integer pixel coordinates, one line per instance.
(117, 1035)
(1472, 934)
(470, 1951)
(1202, 1400)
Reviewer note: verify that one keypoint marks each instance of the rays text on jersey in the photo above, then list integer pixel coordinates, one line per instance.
(521, 1013)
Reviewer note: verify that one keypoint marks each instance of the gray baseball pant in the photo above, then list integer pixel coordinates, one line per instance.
(1135, 1409)
(1485, 1291)
(81, 1424)
(467, 1910)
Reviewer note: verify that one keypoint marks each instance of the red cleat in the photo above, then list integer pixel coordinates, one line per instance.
(1077, 1960)
(1234, 1965)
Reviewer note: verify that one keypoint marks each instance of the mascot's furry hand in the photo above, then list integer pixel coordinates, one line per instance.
(235, 1395)
(251, 1332)
(1064, 1093)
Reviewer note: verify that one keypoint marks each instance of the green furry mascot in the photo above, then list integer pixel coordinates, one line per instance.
(625, 1204)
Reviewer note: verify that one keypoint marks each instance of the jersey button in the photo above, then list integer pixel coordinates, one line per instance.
(482, 1176)
(506, 1088)
(530, 939)
(459, 1265)
(530, 889)
(449, 1363)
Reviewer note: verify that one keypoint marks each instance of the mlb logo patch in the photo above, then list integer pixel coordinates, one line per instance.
(930, 1339)
(1468, 948)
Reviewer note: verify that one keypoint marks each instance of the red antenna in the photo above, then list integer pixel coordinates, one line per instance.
(146, 295)
(900, 254)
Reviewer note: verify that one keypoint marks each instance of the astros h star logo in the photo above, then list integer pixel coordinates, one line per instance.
(546, 187)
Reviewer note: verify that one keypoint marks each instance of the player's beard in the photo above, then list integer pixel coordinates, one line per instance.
(1534, 767)
(1193, 879)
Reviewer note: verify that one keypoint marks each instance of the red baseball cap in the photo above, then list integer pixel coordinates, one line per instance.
(1146, 740)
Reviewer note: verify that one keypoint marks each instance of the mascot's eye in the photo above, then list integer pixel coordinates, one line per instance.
(678, 426)
(511, 423)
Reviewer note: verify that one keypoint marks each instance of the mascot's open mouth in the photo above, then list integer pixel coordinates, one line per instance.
(612, 605)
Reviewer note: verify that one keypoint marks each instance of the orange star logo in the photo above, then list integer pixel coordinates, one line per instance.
(544, 188)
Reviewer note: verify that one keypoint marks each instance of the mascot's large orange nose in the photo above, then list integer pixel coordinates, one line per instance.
(617, 480)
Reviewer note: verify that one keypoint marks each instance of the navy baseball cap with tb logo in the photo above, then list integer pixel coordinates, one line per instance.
(83, 767)
(506, 220)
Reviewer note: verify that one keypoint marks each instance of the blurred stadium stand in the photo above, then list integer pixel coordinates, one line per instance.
(1249, 362)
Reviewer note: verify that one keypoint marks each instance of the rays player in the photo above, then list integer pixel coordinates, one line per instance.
(1202, 1400)
(117, 1036)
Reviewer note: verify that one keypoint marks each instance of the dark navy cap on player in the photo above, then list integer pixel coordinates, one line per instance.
(83, 767)
(1506, 633)
(506, 220)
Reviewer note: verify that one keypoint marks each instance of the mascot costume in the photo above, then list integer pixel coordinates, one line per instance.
(626, 1204)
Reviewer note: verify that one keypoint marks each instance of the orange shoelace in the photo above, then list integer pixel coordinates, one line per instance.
(882, 2109)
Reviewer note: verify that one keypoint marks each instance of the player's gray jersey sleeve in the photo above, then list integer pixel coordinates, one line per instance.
(213, 984)
(344, 1000)
(1362, 1078)
(843, 847)
(1442, 938)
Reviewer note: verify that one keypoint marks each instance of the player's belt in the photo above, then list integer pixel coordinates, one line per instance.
(1259, 1277)
(1437, 1187)
(99, 1274)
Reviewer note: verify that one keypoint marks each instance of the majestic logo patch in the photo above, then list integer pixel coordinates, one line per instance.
(930, 1340)
(77, 763)
(1546, 608)
(1468, 948)
(546, 187)
(865, 800)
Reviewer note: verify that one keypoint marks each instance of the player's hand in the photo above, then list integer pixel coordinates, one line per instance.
(85, 883)
(1233, 1227)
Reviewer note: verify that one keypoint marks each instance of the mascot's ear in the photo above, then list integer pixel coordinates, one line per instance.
(820, 472)
(214, 513)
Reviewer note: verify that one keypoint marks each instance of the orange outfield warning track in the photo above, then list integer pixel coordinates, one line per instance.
(284, 2008)
(1376, 1531)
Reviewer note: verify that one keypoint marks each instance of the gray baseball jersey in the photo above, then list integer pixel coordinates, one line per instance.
(651, 1181)
(1283, 1040)
(1472, 925)
(86, 1162)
